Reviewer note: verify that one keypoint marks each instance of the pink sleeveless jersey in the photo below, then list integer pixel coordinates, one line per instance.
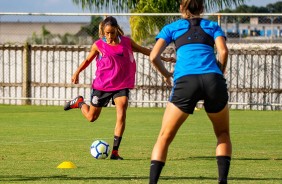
(116, 66)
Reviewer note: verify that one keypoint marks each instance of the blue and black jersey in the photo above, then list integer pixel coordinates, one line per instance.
(194, 41)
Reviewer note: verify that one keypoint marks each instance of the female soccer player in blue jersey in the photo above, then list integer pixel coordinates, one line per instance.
(198, 75)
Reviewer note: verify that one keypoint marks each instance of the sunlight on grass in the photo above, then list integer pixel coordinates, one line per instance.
(34, 140)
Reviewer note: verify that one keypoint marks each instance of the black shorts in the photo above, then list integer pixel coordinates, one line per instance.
(102, 98)
(211, 88)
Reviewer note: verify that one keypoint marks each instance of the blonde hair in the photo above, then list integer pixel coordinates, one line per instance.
(192, 8)
(111, 21)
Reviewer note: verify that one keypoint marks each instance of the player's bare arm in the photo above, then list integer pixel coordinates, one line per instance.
(223, 52)
(146, 51)
(92, 54)
(155, 58)
(138, 48)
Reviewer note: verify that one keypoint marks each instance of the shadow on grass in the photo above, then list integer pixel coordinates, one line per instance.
(121, 178)
(213, 158)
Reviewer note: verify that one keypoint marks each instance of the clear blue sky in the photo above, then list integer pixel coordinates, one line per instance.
(67, 6)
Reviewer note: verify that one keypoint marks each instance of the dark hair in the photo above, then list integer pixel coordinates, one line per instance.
(192, 8)
(109, 21)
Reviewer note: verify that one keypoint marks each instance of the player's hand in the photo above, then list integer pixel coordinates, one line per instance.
(75, 78)
(168, 78)
(221, 66)
(170, 60)
(168, 81)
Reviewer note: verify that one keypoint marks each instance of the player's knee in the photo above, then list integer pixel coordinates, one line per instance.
(92, 118)
(167, 137)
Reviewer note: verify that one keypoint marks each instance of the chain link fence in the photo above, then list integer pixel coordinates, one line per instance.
(40, 52)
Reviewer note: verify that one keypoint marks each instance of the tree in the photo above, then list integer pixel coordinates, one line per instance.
(46, 37)
(163, 6)
(41, 39)
(147, 25)
(270, 8)
(275, 8)
(93, 28)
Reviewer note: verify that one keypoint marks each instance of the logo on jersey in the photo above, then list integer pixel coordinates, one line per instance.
(95, 100)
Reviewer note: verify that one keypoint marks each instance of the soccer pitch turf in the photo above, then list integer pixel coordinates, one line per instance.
(34, 140)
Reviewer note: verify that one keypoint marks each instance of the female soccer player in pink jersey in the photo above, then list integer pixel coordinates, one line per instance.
(115, 76)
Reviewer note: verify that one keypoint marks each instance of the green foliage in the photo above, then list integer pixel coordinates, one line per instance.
(163, 6)
(270, 8)
(143, 23)
(148, 25)
(45, 32)
(219, 4)
(68, 39)
(36, 139)
(35, 39)
(94, 5)
(46, 37)
(275, 8)
(93, 28)
(43, 38)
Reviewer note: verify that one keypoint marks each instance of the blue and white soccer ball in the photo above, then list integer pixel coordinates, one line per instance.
(100, 149)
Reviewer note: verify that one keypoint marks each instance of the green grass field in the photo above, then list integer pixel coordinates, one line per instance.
(34, 140)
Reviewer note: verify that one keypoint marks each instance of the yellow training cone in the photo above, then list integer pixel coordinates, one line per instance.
(66, 165)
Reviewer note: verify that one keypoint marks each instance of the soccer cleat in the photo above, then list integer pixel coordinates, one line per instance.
(73, 103)
(115, 156)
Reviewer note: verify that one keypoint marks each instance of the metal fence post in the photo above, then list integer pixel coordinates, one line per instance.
(219, 20)
(26, 85)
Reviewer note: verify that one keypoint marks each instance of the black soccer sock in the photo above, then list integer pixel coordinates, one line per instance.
(155, 171)
(223, 163)
(117, 141)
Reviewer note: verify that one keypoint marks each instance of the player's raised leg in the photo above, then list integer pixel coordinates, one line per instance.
(91, 113)
(75, 103)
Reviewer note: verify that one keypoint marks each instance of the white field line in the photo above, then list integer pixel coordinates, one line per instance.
(25, 142)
